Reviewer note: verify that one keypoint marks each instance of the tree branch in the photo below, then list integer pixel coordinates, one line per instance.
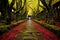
(42, 7)
(50, 2)
(44, 3)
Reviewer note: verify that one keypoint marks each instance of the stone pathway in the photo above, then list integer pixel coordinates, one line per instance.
(29, 32)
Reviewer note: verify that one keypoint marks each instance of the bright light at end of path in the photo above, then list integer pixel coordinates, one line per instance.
(29, 18)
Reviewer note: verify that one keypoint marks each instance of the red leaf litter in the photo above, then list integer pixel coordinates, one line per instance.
(10, 35)
(48, 35)
(57, 24)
